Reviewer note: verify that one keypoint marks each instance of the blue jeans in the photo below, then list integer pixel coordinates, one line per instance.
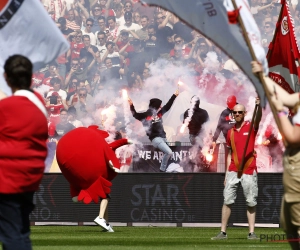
(161, 144)
(14, 220)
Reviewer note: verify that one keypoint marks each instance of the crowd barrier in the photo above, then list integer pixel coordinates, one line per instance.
(159, 198)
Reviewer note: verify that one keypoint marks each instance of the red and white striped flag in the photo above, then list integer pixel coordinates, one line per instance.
(283, 54)
(27, 29)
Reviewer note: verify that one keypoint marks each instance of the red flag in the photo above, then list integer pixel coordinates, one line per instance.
(283, 55)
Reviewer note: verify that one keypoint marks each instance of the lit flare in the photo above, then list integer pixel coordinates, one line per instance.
(124, 94)
(259, 140)
(182, 128)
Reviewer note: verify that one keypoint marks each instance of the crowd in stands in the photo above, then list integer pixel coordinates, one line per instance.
(112, 45)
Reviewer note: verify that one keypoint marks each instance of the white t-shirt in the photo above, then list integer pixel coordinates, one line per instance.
(120, 21)
(134, 27)
(92, 36)
(102, 50)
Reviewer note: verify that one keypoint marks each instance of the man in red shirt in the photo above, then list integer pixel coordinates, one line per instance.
(236, 142)
(23, 150)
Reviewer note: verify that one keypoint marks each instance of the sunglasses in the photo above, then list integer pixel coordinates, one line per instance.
(82, 94)
(74, 64)
(238, 112)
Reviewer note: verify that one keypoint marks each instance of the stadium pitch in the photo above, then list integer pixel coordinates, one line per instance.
(91, 237)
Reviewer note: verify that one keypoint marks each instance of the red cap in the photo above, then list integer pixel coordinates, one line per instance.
(231, 101)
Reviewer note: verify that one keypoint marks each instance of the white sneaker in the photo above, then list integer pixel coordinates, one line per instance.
(110, 229)
(101, 222)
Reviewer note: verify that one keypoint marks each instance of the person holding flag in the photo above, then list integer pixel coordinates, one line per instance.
(290, 206)
(236, 142)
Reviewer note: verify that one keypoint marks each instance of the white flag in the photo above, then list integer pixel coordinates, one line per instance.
(27, 29)
(252, 29)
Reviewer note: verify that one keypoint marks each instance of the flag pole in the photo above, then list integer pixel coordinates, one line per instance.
(260, 76)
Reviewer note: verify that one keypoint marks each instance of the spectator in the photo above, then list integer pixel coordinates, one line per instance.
(55, 83)
(96, 13)
(146, 74)
(88, 30)
(89, 50)
(113, 29)
(106, 11)
(129, 25)
(267, 35)
(85, 105)
(152, 44)
(179, 43)
(128, 7)
(112, 54)
(62, 25)
(124, 40)
(63, 126)
(72, 118)
(52, 72)
(181, 29)
(102, 25)
(136, 17)
(143, 32)
(101, 43)
(76, 45)
(162, 32)
(138, 59)
(112, 72)
(54, 106)
(118, 8)
(73, 22)
(72, 89)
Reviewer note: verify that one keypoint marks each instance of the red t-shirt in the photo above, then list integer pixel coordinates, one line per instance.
(75, 49)
(37, 79)
(240, 138)
(185, 51)
(23, 149)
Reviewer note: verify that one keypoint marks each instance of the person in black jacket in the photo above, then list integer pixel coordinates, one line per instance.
(195, 117)
(226, 120)
(225, 123)
(152, 122)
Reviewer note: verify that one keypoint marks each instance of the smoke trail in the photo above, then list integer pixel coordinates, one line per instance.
(191, 110)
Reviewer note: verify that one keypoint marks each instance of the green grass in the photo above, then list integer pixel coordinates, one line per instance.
(91, 237)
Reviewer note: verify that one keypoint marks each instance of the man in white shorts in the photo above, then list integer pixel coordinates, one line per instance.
(236, 141)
